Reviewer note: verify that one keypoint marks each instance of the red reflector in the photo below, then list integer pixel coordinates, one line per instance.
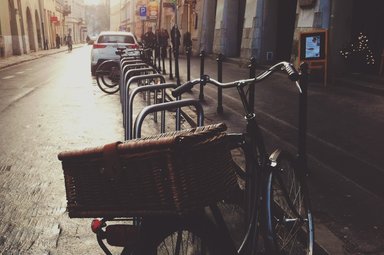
(99, 46)
(96, 225)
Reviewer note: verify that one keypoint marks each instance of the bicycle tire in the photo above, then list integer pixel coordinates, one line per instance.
(239, 209)
(197, 233)
(107, 78)
(288, 212)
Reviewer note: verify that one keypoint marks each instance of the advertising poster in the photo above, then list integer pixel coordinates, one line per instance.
(152, 9)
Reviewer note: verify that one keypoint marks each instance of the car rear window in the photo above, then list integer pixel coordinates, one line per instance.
(116, 39)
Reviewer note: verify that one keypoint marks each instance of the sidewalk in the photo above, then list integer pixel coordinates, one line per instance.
(345, 149)
(14, 60)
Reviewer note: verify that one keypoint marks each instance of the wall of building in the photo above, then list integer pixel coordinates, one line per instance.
(26, 24)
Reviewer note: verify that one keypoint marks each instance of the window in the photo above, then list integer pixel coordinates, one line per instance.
(116, 39)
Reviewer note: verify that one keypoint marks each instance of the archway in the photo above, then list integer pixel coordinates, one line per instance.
(14, 32)
(31, 35)
(22, 27)
(286, 16)
(240, 25)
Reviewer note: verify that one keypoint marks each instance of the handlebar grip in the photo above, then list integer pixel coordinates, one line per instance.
(291, 71)
(181, 89)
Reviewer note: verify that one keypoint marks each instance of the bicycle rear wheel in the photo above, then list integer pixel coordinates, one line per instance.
(192, 235)
(108, 76)
(288, 213)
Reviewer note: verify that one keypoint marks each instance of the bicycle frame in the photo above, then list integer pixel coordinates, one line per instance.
(259, 166)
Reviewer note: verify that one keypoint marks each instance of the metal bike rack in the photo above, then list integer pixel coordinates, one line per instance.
(125, 92)
(129, 107)
(137, 73)
(124, 63)
(167, 106)
(134, 72)
(131, 66)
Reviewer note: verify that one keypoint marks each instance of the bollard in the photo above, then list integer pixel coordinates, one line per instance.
(154, 59)
(170, 63)
(159, 58)
(177, 74)
(220, 59)
(252, 74)
(188, 52)
(163, 55)
(202, 56)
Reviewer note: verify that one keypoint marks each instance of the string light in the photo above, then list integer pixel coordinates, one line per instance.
(359, 50)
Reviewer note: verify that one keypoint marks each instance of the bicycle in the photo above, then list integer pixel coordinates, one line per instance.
(276, 197)
(108, 73)
(280, 197)
(271, 198)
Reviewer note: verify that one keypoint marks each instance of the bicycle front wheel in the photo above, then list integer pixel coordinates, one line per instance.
(288, 213)
(192, 235)
(108, 76)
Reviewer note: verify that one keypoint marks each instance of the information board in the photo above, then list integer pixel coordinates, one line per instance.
(313, 50)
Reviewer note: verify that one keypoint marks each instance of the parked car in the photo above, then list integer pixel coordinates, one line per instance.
(106, 44)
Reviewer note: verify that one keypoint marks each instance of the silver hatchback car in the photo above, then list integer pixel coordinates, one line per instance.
(106, 44)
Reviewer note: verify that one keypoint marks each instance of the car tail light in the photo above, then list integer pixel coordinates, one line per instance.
(133, 46)
(99, 46)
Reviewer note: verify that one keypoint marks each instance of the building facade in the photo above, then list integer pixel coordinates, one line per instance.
(270, 30)
(31, 25)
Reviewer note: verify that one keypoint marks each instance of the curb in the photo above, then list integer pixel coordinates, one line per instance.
(8, 62)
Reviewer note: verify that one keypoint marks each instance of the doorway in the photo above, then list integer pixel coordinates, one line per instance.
(31, 34)
(286, 17)
(14, 32)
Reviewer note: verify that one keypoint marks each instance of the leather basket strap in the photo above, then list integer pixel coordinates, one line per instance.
(111, 160)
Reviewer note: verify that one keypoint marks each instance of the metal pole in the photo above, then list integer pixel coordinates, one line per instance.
(176, 50)
(219, 60)
(188, 63)
(252, 74)
(202, 55)
(302, 148)
(170, 63)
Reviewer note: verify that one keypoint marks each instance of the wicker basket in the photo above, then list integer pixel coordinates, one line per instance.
(172, 173)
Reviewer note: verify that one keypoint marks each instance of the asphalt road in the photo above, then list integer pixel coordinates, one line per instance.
(47, 106)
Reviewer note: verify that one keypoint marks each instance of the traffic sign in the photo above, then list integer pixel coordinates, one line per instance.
(143, 11)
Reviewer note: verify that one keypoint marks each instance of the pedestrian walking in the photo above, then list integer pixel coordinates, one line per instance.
(175, 37)
(149, 39)
(58, 41)
(164, 43)
(187, 41)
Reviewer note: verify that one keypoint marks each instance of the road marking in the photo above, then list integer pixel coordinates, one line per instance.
(8, 77)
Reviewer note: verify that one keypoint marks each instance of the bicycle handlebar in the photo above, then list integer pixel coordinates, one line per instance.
(293, 75)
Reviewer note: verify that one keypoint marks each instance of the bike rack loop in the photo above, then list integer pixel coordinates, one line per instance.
(165, 106)
(125, 68)
(128, 66)
(125, 95)
(136, 78)
(132, 72)
(129, 107)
